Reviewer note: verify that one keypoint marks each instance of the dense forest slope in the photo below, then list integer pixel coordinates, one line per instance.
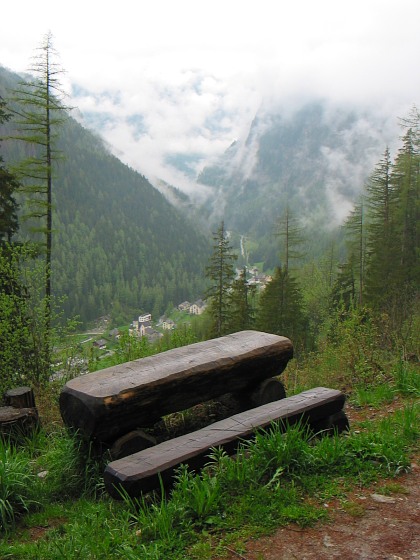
(118, 245)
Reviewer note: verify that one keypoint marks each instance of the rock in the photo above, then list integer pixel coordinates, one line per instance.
(383, 499)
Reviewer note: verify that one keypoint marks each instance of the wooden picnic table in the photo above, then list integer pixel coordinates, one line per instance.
(140, 472)
(106, 404)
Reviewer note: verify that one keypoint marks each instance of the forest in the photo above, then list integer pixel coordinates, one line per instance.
(118, 247)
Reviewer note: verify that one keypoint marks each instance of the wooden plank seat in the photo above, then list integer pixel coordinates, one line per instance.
(139, 473)
(107, 404)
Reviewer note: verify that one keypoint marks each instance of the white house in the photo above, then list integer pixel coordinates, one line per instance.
(145, 317)
(168, 324)
(197, 307)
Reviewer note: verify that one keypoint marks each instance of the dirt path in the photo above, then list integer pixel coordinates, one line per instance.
(374, 524)
(381, 530)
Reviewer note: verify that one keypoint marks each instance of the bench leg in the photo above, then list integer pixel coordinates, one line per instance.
(335, 423)
(267, 391)
(130, 443)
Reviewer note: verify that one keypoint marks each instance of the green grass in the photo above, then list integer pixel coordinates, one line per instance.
(278, 478)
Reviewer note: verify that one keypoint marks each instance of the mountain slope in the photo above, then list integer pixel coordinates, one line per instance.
(118, 244)
(314, 160)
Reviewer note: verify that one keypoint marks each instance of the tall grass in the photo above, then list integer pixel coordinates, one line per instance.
(263, 486)
(16, 484)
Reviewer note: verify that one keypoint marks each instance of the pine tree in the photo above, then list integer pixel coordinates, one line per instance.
(280, 309)
(406, 179)
(221, 274)
(343, 293)
(381, 202)
(355, 229)
(241, 309)
(8, 187)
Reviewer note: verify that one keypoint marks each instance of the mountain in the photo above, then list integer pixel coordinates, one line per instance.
(314, 160)
(118, 245)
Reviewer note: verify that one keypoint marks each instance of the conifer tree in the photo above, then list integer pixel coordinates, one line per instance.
(343, 293)
(221, 274)
(381, 247)
(406, 179)
(241, 309)
(355, 228)
(280, 309)
(39, 113)
(290, 233)
(8, 187)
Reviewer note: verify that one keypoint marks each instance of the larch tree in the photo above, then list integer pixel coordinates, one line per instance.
(290, 234)
(39, 114)
(281, 305)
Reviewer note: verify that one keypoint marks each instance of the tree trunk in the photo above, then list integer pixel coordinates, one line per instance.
(21, 397)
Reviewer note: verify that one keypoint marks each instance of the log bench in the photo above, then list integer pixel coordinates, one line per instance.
(140, 472)
(108, 404)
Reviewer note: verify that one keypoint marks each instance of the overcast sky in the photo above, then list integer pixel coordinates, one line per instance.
(196, 71)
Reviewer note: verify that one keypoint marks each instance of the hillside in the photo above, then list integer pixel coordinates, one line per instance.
(315, 160)
(119, 246)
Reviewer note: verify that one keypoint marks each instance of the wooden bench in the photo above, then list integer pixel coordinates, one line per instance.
(140, 472)
(107, 404)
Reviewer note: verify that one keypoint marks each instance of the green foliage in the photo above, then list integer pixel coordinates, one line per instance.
(20, 359)
(353, 351)
(119, 248)
(23, 359)
(241, 304)
(8, 187)
(16, 482)
(281, 309)
(382, 265)
(406, 377)
(70, 466)
(374, 396)
(263, 486)
(220, 274)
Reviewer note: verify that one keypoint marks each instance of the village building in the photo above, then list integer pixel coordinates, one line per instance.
(184, 306)
(168, 324)
(145, 318)
(197, 307)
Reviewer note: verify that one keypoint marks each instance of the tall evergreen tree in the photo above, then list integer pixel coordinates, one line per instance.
(280, 309)
(381, 247)
(38, 115)
(406, 179)
(241, 309)
(290, 233)
(355, 228)
(343, 292)
(221, 274)
(8, 187)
